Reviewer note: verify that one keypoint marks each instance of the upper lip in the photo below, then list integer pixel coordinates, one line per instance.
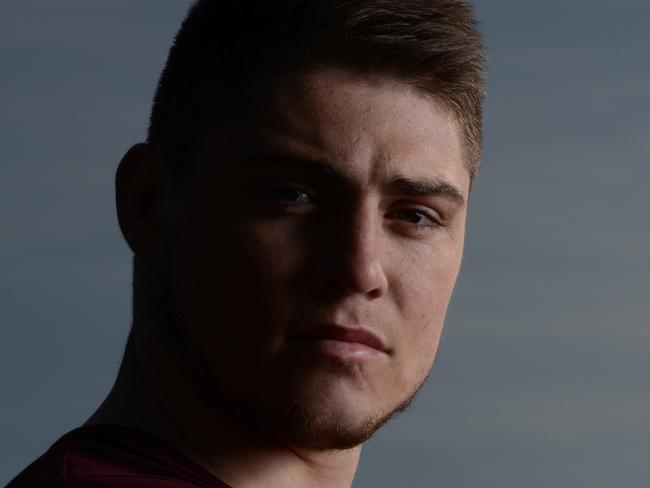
(336, 332)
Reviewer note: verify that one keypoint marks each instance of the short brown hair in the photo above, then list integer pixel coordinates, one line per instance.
(226, 51)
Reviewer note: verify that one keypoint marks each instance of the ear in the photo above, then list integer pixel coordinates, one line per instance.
(142, 196)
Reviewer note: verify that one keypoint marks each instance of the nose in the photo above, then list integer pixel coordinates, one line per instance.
(352, 253)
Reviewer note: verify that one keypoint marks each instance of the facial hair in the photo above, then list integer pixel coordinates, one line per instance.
(296, 421)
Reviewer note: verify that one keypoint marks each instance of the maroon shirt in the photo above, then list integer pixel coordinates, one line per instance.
(110, 457)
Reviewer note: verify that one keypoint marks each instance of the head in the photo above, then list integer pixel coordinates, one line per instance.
(320, 158)
(228, 53)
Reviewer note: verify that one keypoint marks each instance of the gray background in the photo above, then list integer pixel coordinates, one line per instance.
(542, 379)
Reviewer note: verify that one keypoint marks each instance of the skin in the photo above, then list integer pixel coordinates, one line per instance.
(343, 205)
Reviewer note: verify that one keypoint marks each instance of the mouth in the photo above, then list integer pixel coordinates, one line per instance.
(341, 341)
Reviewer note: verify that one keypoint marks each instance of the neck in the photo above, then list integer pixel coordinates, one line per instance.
(152, 394)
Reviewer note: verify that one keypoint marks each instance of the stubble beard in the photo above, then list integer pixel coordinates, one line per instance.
(312, 428)
(299, 423)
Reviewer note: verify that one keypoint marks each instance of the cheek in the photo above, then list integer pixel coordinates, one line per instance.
(262, 261)
(421, 343)
(422, 298)
(423, 285)
(234, 279)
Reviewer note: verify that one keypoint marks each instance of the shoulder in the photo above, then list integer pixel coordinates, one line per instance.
(113, 456)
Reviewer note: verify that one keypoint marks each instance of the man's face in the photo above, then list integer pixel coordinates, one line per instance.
(313, 255)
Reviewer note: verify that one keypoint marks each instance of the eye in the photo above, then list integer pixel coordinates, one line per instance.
(286, 193)
(415, 217)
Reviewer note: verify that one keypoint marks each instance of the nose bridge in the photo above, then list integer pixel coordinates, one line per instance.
(364, 235)
(360, 249)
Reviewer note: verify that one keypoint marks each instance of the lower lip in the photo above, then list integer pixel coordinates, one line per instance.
(340, 349)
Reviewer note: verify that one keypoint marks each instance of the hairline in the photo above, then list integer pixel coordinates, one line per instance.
(270, 82)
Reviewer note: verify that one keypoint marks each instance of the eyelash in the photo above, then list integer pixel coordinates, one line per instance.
(282, 194)
(400, 213)
(278, 192)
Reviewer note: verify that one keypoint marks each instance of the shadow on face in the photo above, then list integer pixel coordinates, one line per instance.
(312, 255)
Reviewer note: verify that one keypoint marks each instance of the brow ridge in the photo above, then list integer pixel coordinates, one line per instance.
(398, 184)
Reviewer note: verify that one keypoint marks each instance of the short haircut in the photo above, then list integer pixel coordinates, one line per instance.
(227, 52)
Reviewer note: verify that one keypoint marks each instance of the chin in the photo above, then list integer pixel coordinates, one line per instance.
(318, 427)
(317, 421)
(326, 430)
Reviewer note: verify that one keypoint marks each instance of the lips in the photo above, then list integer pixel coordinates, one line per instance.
(352, 335)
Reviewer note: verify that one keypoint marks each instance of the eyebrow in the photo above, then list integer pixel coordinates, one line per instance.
(398, 184)
(314, 166)
(426, 187)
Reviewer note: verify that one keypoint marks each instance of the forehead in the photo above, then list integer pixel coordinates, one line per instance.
(367, 127)
(360, 117)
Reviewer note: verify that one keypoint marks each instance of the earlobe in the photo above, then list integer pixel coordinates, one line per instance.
(141, 195)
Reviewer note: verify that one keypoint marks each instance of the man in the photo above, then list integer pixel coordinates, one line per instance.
(297, 220)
